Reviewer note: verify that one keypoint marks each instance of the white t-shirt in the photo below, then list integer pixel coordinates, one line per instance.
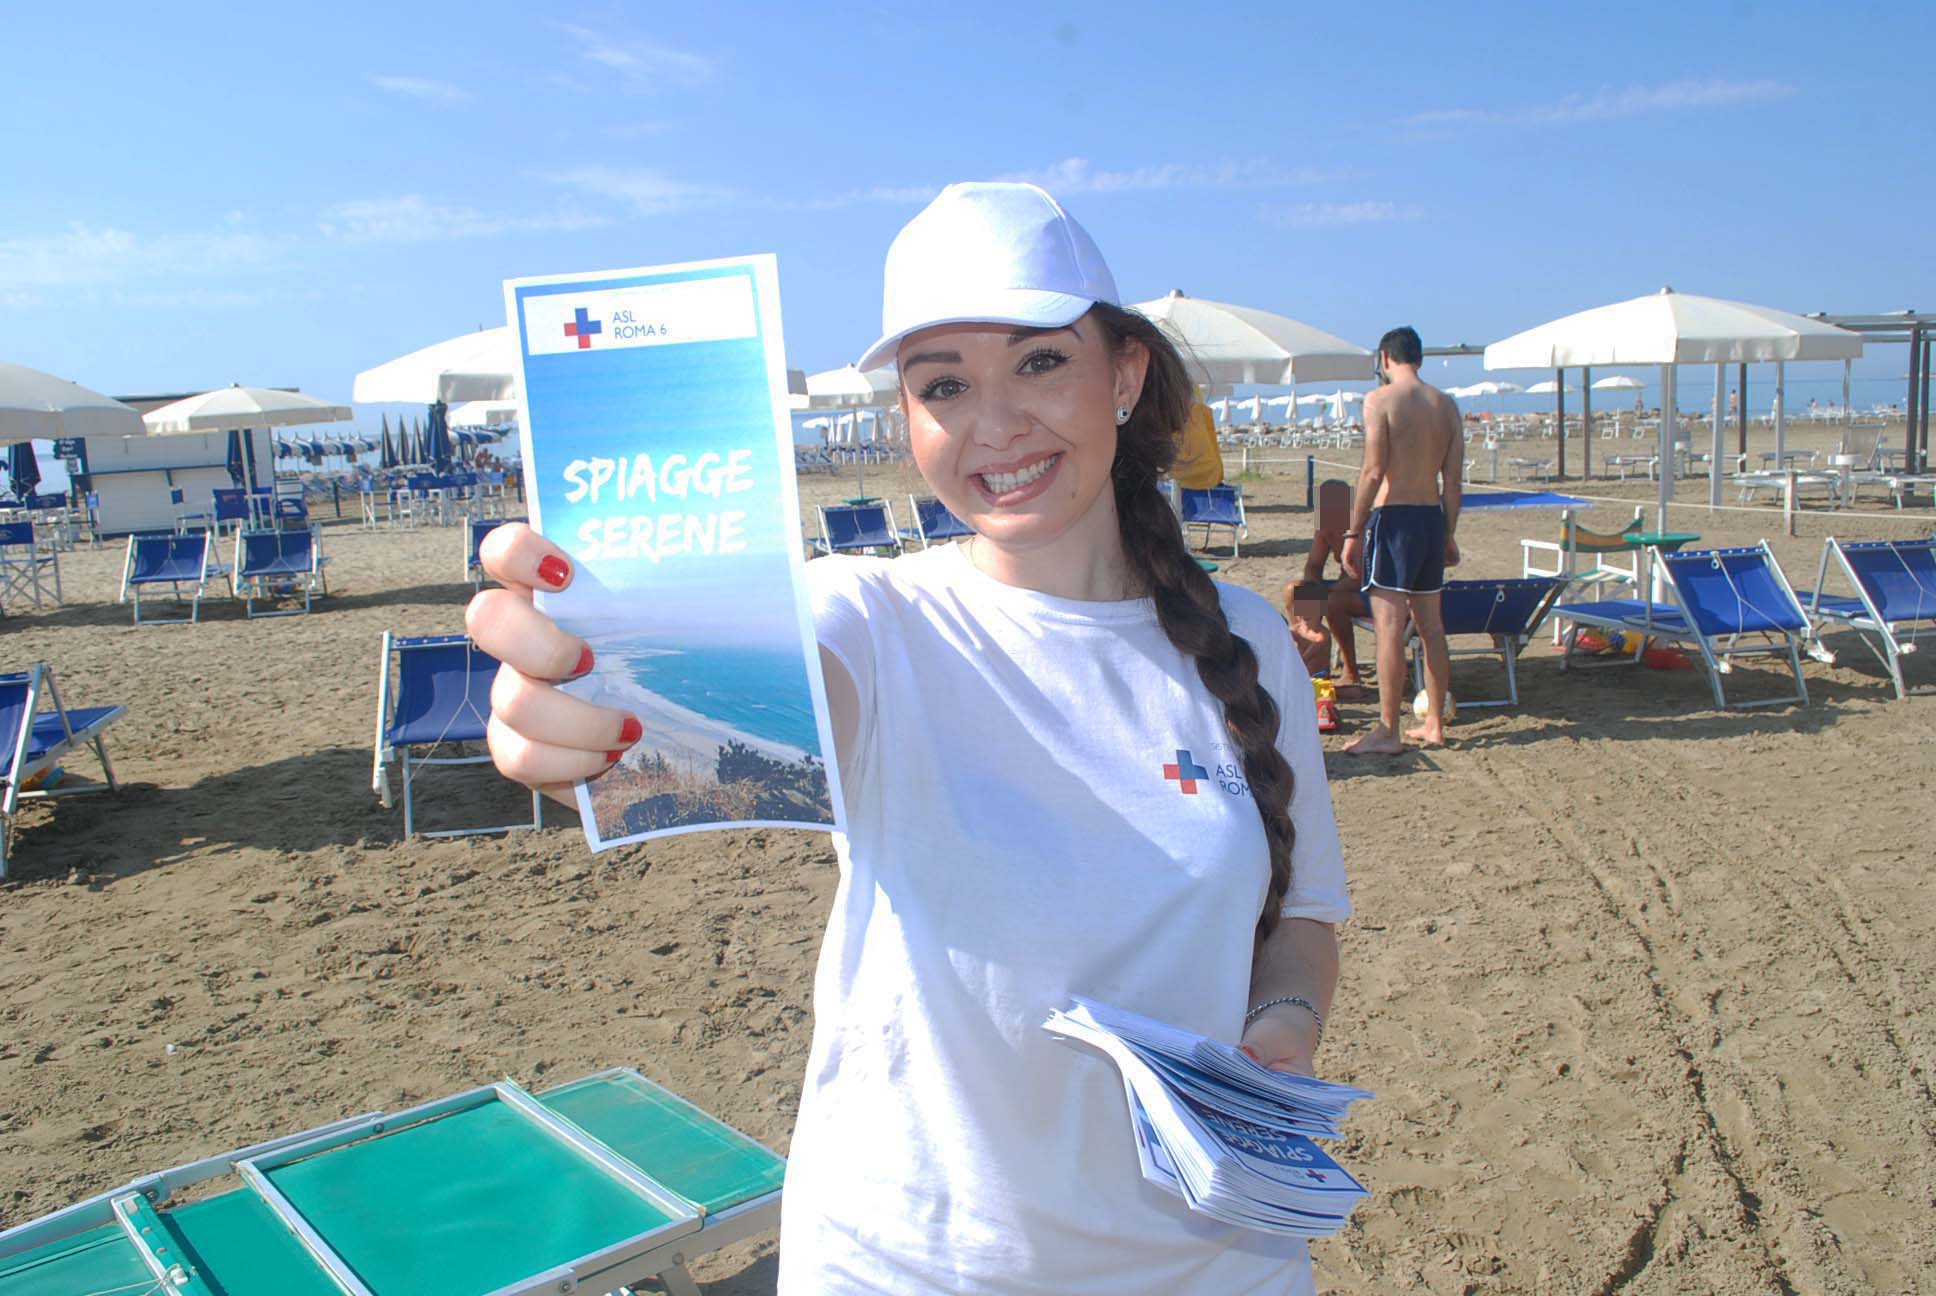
(1042, 802)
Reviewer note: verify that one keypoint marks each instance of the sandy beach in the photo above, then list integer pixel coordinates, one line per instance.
(1644, 987)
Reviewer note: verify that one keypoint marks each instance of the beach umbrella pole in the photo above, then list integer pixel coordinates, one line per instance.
(1668, 399)
(1717, 437)
(1586, 424)
(1781, 415)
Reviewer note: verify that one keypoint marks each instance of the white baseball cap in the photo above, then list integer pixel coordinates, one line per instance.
(988, 253)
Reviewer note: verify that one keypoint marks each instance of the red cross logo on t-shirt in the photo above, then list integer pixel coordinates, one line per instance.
(1185, 771)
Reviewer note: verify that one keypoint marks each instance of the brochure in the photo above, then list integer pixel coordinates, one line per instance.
(1231, 1138)
(658, 454)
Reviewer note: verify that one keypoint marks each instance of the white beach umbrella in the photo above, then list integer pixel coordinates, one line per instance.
(35, 404)
(1241, 344)
(1253, 405)
(850, 388)
(476, 366)
(1618, 382)
(1670, 329)
(233, 409)
(1548, 388)
(1221, 409)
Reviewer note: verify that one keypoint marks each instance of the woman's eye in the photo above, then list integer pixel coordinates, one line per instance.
(1042, 361)
(943, 389)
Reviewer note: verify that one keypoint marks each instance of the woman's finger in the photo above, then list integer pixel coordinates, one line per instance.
(542, 714)
(519, 558)
(541, 765)
(504, 624)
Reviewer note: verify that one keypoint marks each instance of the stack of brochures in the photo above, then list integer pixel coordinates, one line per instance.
(1231, 1138)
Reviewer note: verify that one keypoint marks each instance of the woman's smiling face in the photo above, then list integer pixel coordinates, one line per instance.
(1015, 428)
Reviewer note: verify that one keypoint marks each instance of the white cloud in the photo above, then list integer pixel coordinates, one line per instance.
(1608, 105)
(84, 254)
(437, 92)
(1369, 211)
(1076, 175)
(413, 218)
(645, 191)
(642, 64)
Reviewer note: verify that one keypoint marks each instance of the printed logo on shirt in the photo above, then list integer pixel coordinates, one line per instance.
(1184, 772)
(1227, 774)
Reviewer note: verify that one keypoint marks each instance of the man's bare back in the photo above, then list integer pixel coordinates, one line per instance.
(1420, 430)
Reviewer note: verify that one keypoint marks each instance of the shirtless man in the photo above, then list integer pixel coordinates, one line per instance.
(1400, 540)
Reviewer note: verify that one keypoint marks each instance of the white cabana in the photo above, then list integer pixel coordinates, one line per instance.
(476, 366)
(851, 388)
(1241, 344)
(1670, 329)
(35, 404)
(484, 413)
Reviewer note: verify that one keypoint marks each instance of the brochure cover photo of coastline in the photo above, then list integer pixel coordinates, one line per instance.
(724, 741)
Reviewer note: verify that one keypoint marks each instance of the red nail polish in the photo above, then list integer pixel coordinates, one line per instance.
(554, 571)
(631, 731)
(611, 758)
(584, 666)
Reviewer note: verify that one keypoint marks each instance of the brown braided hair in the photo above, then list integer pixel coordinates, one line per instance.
(1186, 600)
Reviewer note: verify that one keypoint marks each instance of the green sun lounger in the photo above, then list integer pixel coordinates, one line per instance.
(598, 1184)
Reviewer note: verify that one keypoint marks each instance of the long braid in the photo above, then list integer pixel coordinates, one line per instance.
(1187, 606)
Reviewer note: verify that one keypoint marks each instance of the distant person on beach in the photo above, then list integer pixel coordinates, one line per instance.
(1401, 540)
(1073, 764)
(1321, 609)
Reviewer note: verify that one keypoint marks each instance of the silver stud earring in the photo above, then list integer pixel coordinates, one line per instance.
(1122, 415)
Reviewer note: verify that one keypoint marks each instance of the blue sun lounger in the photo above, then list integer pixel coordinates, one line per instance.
(177, 561)
(433, 691)
(601, 1184)
(933, 521)
(477, 530)
(1894, 603)
(857, 528)
(1219, 506)
(279, 564)
(1506, 612)
(1720, 598)
(36, 741)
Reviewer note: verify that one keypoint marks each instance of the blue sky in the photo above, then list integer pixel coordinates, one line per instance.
(197, 194)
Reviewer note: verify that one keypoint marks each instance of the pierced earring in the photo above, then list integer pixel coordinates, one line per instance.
(1122, 415)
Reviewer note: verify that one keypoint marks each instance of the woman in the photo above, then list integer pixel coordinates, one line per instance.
(1067, 773)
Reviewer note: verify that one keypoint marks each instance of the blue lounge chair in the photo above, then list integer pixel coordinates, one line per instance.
(231, 507)
(857, 528)
(933, 521)
(175, 561)
(1720, 597)
(187, 519)
(279, 564)
(433, 691)
(34, 742)
(602, 1184)
(477, 530)
(1219, 506)
(1504, 611)
(24, 566)
(1894, 604)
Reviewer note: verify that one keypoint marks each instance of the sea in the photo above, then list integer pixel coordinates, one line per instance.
(752, 689)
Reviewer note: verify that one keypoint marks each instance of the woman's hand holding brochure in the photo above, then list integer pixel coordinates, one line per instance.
(538, 734)
(1231, 1137)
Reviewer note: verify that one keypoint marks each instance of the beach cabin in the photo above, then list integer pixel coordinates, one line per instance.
(134, 475)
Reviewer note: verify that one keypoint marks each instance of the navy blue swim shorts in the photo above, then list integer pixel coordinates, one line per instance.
(1405, 549)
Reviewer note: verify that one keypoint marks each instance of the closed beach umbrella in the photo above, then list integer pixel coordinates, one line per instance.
(24, 468)
(437, 436)
(242, 459)
(1671, 329)
(475, 366)
(1241, 344)
(389, 457)
(35, 404)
